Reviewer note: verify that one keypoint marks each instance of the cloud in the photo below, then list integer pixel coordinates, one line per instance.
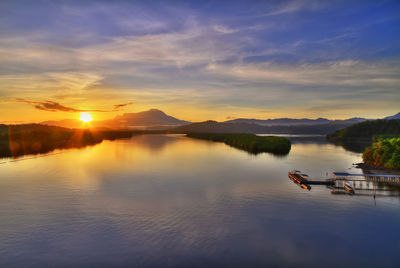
(159, 57)
(343, 74)
(293, 6)
(119, 106)
(223, 29)
(195, 43)
(54, 83)
(52, 106)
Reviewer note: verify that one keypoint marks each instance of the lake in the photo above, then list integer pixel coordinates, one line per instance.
(168, 200)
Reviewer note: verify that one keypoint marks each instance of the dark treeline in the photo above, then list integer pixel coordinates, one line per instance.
(217, 127)
(359, 136)
(384, 153)
(18, 140)
(249, 142)
(366, 130)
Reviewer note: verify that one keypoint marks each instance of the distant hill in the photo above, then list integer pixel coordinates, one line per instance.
(396, 116)
(366, 130)
(155, 119)
(216, 127)
(295, 122)
(151, 119)
(280, 121)
(303, 121)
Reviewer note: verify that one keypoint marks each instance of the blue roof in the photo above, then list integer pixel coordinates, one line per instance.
(344, 174)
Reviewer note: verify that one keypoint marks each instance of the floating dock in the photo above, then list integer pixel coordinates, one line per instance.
(302, 179)
(388, 178)
(341, 179)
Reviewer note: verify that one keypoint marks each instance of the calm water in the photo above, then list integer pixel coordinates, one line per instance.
(169, 200)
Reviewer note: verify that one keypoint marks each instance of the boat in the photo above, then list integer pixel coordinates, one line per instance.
(305, 186)
(296, 176)
(299, 178)
(348, 186)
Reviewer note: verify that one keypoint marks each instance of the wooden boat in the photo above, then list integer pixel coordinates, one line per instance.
(295, 175)
(299, 178)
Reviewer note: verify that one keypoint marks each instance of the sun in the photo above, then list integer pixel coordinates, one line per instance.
(86, 117)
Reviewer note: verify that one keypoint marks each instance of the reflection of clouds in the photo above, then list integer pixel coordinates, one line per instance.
(154, 143)
(176, 197)
(320, 139)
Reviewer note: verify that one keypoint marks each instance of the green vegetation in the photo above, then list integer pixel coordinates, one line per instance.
(376, 138)
(248, 142)
(359, 136)
(18, 140)
(385, 153)
(366, 130)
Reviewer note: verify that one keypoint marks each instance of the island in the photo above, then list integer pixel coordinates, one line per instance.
(249, 142)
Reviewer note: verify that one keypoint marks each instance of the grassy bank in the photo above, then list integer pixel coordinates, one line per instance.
(248, 142)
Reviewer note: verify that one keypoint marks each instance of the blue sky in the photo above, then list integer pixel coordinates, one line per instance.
(200, 60)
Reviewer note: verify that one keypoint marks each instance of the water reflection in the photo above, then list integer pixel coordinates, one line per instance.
(34, 139)
(155, 142)
(169, 200)
(355, 146)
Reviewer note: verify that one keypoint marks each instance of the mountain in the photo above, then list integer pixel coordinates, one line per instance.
(156, 120)
(216, 127)
(151, 119)
(294, 122)
(280, 121)
(396, 116)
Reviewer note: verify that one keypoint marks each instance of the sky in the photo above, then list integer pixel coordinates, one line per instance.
(199, 60)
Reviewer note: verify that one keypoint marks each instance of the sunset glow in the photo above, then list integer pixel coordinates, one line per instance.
(179, 133)
(199, 61)
(85, 117)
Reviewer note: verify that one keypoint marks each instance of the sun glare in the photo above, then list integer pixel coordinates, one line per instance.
(86, 117)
